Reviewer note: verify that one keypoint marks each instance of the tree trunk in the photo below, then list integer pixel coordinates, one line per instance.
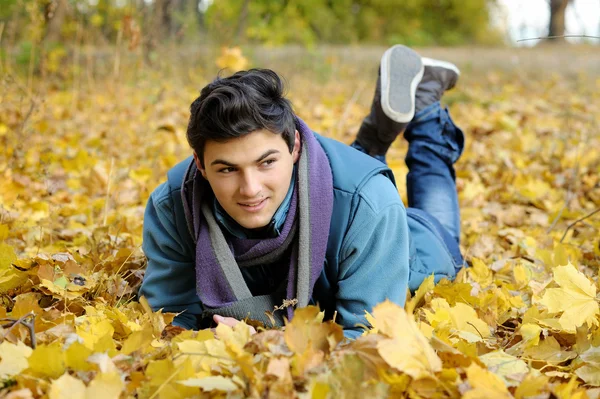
(557, 19)
(55, 14)
(199, 17)
(241, 26)
(162, 19)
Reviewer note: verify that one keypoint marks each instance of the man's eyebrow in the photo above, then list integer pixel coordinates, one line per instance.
(221, 161)
(229, 164)
(266, 154)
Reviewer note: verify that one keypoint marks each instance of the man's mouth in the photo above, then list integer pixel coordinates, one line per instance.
(253, 206)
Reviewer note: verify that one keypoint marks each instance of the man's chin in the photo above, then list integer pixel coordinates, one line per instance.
(253, 224)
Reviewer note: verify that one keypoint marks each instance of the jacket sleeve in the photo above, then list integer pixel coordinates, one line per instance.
(169, 282)
(374, 263)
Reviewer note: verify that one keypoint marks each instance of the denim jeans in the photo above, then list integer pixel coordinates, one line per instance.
(435, 144)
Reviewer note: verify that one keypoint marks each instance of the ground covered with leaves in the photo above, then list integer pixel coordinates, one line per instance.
(80, 154)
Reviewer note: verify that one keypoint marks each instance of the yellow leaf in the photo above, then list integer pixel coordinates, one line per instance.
(10, 278)
(310, 338)
(507, 367)
(25, 303)
(206, 355)
(158, 371)
(592, 355)
(3, 231)
(13, 358)
(590, 374)
(470, 327)
(232, 59)
(141, 175)
(426, 286)
(486, 385)
(320, 390)
(105, 386)
(106, 344)
(235, 338)
(48, 360)
(530, 333)
(214, 383)
(67, 387)
(480, 273)
(531, 386)
(576, 298)
(522, 275)
(407, 349)
(549, 350)
(561, 256)
(455, 292)
(164, 374)
(137, 340)
(76, 357)
(462, 318)
(93, 329)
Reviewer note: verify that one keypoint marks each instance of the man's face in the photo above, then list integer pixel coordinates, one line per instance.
(250, 175)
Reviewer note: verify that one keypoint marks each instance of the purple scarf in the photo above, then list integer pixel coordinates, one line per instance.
(219, 281)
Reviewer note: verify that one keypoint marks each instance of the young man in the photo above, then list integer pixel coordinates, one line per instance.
(268, 211)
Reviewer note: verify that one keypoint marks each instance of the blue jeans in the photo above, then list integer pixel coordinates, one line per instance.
(435, 144)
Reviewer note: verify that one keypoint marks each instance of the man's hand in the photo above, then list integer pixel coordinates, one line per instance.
(230, 321)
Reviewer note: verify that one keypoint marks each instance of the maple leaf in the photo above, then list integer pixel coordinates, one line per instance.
(48, 360)
(9, 277)
(13, 358)
(232, 59)
(486, 385)
(462, 318)
(590, 372)
(213, 383)
(406, 349)
(576, 298)
(310, 339)
(105, 386)
(509, 368)
(67, 386)
(550, 351)
(530, 333)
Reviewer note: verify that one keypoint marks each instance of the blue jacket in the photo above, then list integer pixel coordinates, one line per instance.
(376, 249)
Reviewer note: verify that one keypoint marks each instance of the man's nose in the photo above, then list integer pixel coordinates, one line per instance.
(250, 185)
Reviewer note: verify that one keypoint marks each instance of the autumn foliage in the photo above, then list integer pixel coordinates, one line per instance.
(78, 160)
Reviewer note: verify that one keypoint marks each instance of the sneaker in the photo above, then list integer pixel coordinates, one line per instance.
(393, 105)
(438, 77)
(401, 72)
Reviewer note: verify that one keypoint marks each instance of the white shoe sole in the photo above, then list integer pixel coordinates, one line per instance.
(440, 64)
(404, 77)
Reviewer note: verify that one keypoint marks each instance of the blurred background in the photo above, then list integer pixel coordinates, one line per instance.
(39, 36)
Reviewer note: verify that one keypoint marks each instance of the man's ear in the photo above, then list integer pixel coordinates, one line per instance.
(297, 145)
(199, 165)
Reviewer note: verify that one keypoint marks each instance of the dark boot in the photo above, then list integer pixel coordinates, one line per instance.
(393, 105)
(438, 77)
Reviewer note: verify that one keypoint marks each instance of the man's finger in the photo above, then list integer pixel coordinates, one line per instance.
(229, 321)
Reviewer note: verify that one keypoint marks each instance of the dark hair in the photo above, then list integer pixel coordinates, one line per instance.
(238, 105)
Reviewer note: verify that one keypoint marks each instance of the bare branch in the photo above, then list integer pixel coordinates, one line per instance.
(557, 37)
(577, 221)
(28, 321)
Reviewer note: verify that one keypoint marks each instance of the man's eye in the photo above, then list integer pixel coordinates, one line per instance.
(269, 162)
(227, 170)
